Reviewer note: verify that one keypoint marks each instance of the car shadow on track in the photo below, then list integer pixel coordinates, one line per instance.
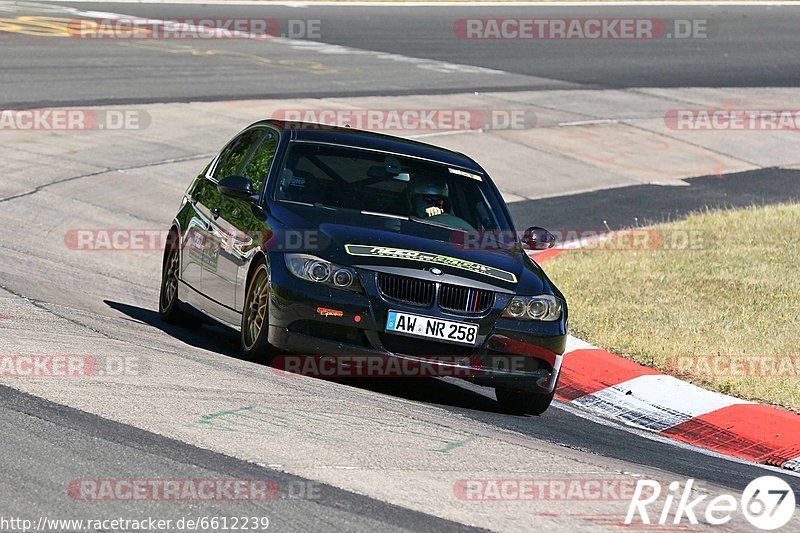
(427, 390)
(223, 341)
(226, 342)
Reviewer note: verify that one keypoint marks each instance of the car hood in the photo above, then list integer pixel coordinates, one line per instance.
(356, 239)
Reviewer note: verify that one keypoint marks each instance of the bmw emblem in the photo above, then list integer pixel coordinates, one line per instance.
(436, 272)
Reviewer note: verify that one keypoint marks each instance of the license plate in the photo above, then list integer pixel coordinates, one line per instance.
(432, 328)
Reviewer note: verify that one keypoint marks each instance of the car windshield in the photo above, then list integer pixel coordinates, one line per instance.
(387, 184)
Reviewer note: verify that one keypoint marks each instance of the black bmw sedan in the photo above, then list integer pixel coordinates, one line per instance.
(337, 243)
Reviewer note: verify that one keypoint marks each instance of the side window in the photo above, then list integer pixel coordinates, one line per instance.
(257, 167)
(233, 154)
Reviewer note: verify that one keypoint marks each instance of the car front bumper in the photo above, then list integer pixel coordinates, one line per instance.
(316, 320)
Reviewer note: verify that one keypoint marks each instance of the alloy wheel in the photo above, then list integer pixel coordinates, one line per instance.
(256, 307)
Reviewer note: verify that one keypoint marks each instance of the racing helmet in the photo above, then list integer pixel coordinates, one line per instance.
(427, 191)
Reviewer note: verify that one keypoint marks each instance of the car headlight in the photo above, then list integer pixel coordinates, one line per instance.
(543, 307)
(311, 268)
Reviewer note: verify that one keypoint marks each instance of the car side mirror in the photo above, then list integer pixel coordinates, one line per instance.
(237, 187)
(537, 238)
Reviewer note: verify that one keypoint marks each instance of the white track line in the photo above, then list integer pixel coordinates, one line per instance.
(318, 47)
(441, 4)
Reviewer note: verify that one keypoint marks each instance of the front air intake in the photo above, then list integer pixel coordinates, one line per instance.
(465, 299)
(410, 291)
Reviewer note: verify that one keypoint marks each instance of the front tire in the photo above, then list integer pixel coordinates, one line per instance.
(168, 306)
(523, 402)
(255, 316)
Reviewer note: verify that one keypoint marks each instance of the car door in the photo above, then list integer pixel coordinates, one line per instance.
(235, 225)
(195, 236)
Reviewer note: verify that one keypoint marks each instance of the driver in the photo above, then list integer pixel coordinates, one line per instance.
(428, 198)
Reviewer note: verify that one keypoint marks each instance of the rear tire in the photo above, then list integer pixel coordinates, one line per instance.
(523, 402)
(168, 305)
(255, 316)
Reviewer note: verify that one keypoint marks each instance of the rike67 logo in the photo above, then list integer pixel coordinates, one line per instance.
(767, 503)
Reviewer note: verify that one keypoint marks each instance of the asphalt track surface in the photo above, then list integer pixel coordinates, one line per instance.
(642, 205)
(36, 428)
(45, 442)
(742, 47)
